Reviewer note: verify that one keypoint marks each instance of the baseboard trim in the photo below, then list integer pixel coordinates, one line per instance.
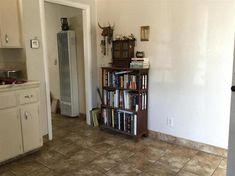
(188, 143)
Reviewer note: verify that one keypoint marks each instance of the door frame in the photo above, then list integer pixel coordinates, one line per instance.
(86, 15)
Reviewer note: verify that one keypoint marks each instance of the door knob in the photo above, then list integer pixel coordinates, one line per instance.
(233, 88)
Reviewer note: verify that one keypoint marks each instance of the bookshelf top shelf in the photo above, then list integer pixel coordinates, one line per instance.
(121, 109)
(120, 68)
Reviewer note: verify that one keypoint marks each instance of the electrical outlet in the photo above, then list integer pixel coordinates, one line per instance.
(170, 121)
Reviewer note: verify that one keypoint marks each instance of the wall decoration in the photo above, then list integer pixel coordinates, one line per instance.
(107, 33)
(144, 33)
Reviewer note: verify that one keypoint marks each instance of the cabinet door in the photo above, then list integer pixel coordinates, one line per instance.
(10, 134)
(32, 138)
(10, 25)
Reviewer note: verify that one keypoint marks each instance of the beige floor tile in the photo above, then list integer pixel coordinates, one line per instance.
(105, 163)
(144, 174)
(48, 157)
(25, 166)
(101, 148)
(186, 173)
(42, 172)
(153, 154)
(219, 172)
(174, 161)
(139, 161)
(123, 170)
(203, 164)
(5, 172)
(68, 149)
(223, 164)
(88, 170)
(177, 157)
(132, 145)
(119, 154)
(159, 169)
(83, 156)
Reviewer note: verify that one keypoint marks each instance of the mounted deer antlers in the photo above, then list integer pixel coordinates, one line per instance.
(107, 31)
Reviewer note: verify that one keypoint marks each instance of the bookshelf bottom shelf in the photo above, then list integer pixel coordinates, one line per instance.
(145, 134)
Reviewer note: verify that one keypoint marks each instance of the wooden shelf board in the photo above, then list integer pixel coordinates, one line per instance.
(122, 109)
(121, 68)
(116, 130)
(119, 88)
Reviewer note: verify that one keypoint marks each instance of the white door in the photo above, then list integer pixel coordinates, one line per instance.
(10, 134)
(30, 127)
(231, 147)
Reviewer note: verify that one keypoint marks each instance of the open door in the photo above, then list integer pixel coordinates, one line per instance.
(231, 147)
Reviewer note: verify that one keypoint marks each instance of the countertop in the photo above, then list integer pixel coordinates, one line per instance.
(28, 84)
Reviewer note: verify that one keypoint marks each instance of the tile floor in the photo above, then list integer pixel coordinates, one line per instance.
(81, 150)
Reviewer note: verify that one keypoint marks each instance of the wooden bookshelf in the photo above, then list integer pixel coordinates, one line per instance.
(125, 100)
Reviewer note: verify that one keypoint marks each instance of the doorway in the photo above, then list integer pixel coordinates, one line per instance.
(85, 11)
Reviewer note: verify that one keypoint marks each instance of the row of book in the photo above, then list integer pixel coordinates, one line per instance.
(120, 120)
(124, 80)
(144, 81)
(139, 63)
(143, 101)
(125, 100)
(121, 99)
(120, 80)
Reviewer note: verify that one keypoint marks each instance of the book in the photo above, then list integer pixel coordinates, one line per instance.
(140, 59)
(140, 63)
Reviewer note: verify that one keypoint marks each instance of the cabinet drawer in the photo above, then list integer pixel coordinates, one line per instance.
(29, 96)
(7, 100)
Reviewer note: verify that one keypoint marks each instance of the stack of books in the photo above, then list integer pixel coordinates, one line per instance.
(139, 63)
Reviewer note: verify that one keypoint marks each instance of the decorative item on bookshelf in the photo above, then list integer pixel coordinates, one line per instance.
(139, 54)
(125, 96)
(139, 63)
(122, 52)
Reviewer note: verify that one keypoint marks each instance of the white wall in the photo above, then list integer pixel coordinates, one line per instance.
(34, 57)
(53, 13)
(13, 59)
(77, 26)
(191, 55)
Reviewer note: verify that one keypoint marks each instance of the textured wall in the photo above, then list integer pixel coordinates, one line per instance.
(191, 56)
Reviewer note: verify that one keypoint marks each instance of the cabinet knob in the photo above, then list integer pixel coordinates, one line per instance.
(27, 115)
(6, 38)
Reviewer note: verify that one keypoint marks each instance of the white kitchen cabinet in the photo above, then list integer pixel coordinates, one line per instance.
(10, 134)
(20, 130)
(10, 24)
(30, 126)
